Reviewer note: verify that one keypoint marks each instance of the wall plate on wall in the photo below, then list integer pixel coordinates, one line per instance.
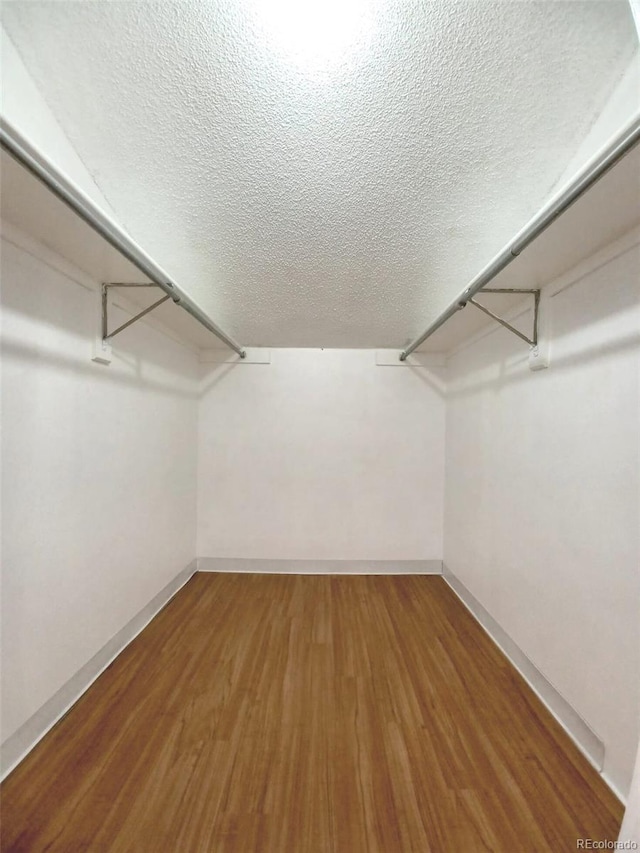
(540, 354)
(101, 350)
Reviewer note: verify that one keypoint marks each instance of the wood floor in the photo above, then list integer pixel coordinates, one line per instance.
(287, 714)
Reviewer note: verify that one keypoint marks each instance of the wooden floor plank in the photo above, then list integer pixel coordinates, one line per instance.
(311, 714)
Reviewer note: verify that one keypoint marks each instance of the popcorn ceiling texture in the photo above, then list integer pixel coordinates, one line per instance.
(312, 200)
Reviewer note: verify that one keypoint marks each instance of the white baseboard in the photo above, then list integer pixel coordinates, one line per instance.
(18, 745)
(319, 567)
(587, 741)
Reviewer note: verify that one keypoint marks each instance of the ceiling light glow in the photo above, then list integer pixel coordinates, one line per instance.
(315, 35)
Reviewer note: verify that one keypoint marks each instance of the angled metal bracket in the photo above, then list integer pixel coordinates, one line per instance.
(533, 340)
(106, 334)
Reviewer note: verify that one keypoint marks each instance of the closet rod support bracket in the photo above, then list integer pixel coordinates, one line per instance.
(107, 336)
(533, 340)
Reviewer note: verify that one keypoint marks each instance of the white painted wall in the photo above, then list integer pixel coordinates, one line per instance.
(98, 463)
(98, 475)
(542, 494)
(321, 455)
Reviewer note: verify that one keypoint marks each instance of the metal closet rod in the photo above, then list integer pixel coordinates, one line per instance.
(614, 151)
(65, 189)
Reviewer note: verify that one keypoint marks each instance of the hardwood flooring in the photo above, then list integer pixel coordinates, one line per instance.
(287, 714)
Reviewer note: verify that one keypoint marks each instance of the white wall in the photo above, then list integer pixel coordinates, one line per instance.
(542, 494)
(98, 475)
(98, 463)
(321, 455)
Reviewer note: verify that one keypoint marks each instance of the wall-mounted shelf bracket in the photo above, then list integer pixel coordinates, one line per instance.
(533, 340)
(106, 334)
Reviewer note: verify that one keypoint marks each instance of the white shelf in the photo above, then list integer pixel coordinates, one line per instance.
(606, 212)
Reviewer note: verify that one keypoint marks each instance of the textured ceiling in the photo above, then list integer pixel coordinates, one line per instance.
(332, 177)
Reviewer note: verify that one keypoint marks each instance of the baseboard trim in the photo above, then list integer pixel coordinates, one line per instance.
(319, 567)
(587, 741)
(18, 745)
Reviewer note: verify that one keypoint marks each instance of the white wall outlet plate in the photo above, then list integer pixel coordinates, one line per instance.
(101, 351)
